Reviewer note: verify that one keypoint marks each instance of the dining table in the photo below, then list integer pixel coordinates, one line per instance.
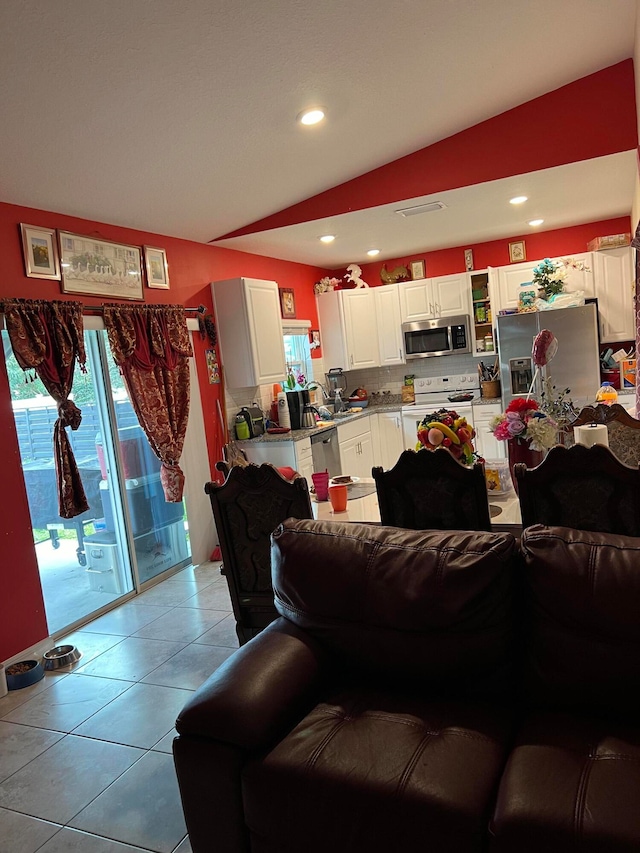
(362, 505)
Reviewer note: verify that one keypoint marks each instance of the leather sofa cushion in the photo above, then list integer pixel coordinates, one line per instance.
(373, 772)
(583, 623)
(426, 608)
(571, 783)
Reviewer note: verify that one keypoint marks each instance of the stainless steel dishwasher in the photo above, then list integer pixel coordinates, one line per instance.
(325, 452)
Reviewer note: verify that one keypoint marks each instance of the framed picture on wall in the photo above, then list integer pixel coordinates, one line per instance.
(40, 252)
(99, 267)
(517, 252)
(288, 303)
(155, 262)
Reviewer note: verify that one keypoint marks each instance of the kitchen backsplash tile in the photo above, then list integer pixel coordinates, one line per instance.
(392, 378)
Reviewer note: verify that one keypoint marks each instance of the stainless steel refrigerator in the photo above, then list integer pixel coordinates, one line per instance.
(576, 364)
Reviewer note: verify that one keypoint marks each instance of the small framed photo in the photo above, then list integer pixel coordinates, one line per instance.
(417, 270)
(155, 261)
(288, 303)
(314, 338)
(40, 252)
(517, 252)
(468, 259)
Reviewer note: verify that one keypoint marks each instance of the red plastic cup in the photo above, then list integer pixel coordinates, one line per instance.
(321, 485)
(338, 497)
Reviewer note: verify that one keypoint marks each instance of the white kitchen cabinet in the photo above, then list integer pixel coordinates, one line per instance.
(356, 448)
(389, 321)
(486, 444)
(348, 328)
(507, 284)
(614, 288)
(391, 438)
(444, 296)
(304, 459)
(282, 454)
(250, 331)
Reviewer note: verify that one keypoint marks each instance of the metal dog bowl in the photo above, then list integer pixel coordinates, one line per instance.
(61, 656)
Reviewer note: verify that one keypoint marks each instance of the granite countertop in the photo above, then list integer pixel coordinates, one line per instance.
(301, 434)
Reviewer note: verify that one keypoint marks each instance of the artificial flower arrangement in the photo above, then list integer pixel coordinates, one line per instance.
(445, 428)
(524, 422)
(549, 276)
(326, 284)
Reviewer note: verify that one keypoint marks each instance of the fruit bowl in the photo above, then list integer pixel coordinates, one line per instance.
(358, 401)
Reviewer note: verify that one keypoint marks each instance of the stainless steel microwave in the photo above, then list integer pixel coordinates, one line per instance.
(443, 336)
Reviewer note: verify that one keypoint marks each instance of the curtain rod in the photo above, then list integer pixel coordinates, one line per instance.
(99, 308)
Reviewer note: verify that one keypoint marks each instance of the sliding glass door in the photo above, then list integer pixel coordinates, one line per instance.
(129, 535)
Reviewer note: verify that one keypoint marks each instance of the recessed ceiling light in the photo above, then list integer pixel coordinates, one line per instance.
(373, 252)
(518, 199)
(328, 238)
(312, 116)
(534, 222)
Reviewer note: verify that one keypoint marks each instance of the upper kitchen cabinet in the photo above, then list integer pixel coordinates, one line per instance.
(506, 285)
(250, 331)
(507, 281)
(348, 328)
(390, 343)
(444, 296)
(614, 288)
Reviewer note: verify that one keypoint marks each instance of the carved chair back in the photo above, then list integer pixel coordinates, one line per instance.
(247, 508)
(586, 488)
(429, 489)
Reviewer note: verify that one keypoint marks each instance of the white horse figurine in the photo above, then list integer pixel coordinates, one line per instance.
(354, 274)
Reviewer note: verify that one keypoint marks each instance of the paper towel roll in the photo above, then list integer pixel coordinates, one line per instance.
(591, 434)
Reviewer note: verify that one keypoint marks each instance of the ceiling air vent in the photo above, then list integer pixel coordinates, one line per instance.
(421, 208)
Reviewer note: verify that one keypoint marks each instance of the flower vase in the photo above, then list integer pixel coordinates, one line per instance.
(520, 451)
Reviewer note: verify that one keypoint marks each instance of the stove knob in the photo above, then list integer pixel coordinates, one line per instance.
(463, 378)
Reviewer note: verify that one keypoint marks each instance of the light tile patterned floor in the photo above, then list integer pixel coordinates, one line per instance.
(85, 754)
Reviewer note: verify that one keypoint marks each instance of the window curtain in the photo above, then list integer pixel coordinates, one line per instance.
(150, 345)
(47, 337)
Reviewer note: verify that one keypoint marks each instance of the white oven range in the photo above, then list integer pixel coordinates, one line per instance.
(432, 393)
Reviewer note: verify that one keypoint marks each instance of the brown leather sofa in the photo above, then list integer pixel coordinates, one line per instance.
(436, 691)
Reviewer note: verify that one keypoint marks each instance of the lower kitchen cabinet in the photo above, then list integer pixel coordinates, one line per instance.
(356, 448)
(391, 438)
(282, 454)
(487, 446)
(304, 460)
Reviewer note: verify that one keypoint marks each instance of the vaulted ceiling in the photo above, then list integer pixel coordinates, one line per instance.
(180, 118)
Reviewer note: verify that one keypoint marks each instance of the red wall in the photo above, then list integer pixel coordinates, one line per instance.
(191, 267)
(539, 244)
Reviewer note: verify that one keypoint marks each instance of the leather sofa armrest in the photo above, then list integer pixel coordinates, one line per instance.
(259, 692)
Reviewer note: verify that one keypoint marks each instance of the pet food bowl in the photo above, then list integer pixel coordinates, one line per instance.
(61, 656)
(23, 673)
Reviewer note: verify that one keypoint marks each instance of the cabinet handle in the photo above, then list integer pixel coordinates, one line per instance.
(351, 357)
(431, 308)
(400, 353)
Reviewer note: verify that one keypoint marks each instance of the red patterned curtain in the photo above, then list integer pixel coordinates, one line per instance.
(47, 337)
(150, 344)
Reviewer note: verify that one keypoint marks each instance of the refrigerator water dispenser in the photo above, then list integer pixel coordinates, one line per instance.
(521, 375)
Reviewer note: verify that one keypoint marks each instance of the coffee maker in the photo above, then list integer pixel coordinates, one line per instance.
(297, 400)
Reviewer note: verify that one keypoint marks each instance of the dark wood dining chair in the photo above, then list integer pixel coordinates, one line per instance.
(429, 489)
(247, 507)
(622, 428)
(586, 488)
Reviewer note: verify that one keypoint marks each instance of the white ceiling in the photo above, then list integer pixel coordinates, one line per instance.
(179, 118)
